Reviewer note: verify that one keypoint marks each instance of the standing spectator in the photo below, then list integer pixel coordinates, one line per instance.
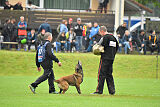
(126, 41)
(71, 35)
(142, 41)
(153, 41)
(61, 44)
(47, 65)
(70, 24)
(45, 26)
(78, 29)
(13, 32)
(7, 5)
(63, 27)
(40, 37)
(120, 32)
(31, 39)
(111, 45)
(103, 4)
(18, 6)
(22, 32)
(84, 35)
(89, 27)
(94, 32)
(6, 32)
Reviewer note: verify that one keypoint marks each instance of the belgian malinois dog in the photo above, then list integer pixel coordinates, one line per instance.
(73, 80)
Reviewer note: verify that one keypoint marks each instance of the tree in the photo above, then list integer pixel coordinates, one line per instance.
(145, 2)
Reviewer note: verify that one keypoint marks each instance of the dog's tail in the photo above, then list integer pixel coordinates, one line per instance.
(57, 81)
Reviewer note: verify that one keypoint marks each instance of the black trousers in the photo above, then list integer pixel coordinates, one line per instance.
(105, 73)
(158, 47)
(30, 44)
(153, 48)
(48, 74)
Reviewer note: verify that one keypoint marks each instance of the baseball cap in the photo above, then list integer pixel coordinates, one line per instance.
(70, 19)
(78, 18)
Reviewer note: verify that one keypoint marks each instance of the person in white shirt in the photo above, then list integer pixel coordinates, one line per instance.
(30, 6)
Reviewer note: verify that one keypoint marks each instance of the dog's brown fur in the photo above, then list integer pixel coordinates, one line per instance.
(74, 80)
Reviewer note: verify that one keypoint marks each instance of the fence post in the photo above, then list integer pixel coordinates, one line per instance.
(157, 67)
(1, 40)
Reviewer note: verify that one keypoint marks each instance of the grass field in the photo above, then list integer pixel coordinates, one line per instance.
(135, 81)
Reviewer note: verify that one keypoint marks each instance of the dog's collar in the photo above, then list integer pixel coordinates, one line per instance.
(77, 74)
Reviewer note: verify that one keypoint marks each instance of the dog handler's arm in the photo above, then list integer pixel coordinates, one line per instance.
(59, 64)
(117, 45)
(51, 54)
(37, 63)
(100, 41)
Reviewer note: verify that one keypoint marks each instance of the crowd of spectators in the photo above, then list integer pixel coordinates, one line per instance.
(75, 36)
(72, 36)
(140, 40)
(17, 6)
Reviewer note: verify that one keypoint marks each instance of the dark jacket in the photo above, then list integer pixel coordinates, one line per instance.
(153, 39)
(111, 46)
(69, 26)
(17, 7)
(105, 2)
(13, 32)
(62, 38)
(30, 38)
(142, 39)
(78, 29)
(45, 26)
(49, 57)
(121, 30)
(7, 31)
(40, 38)
(7, 7)
(88, 32)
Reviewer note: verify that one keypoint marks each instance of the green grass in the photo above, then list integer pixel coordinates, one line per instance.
(135, 81)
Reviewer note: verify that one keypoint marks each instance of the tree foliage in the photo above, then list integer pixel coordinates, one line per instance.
(145, 2)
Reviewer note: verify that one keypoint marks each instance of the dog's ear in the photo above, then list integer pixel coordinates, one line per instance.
(80, 64)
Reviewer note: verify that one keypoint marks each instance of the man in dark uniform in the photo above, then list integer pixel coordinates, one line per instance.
(47, 65)
(120, 33)
(111, 45)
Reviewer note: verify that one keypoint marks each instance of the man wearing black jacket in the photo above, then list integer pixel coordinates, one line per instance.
(7, 5)
(6, 32)
(142, 41)
(18, 6)
(111, 45)
(78, 29)
(120, 33)
(47, 65)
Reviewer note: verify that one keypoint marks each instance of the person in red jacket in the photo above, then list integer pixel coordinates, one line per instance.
(22, 32)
